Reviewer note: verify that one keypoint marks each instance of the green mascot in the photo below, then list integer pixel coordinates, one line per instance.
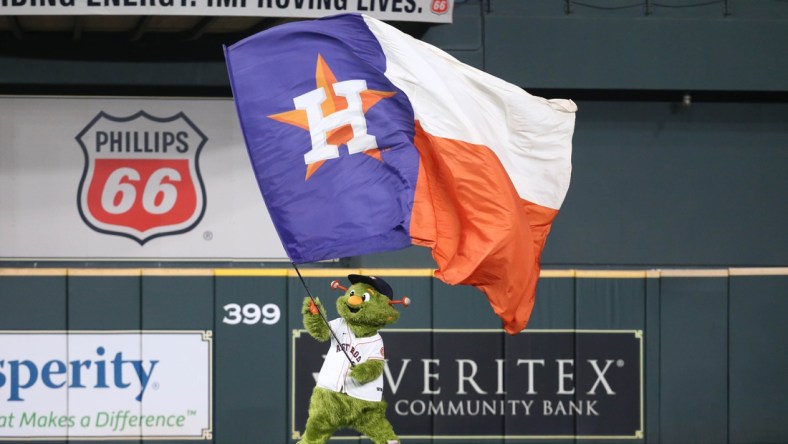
(350, 395)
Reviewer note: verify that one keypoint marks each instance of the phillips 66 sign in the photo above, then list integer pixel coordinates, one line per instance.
(141, 178)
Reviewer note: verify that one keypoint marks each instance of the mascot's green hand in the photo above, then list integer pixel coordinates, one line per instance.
(313, 322)
(367, 371)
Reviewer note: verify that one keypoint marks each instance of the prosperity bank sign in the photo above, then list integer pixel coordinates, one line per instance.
(484, 384)
(105, 385)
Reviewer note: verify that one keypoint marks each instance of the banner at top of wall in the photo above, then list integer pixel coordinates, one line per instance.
(435, 11)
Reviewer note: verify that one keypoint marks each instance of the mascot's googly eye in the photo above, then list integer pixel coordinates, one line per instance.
(366, 296)
(352, 292)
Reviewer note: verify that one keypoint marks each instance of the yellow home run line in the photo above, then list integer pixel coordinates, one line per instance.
(383, 272)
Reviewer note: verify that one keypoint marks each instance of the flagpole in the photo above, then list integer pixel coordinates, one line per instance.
(322, 316)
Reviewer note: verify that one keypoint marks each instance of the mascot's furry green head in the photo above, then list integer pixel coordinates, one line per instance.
(349, 387)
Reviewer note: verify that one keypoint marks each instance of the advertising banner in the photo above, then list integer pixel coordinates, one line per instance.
(106, 385)
(485, 384)
(128, 178)
(435, 11)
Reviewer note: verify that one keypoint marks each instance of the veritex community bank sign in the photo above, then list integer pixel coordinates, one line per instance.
(485, 384)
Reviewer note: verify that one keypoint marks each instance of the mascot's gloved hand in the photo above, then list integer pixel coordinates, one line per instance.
(309, 307)
(367, 371)
(313, 323)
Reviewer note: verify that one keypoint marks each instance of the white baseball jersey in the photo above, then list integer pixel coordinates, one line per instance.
(335, 373)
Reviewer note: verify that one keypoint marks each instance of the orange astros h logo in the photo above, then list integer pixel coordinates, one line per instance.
(333, 113)
(141, 178)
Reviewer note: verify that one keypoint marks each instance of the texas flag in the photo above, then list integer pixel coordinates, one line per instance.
(364, 139)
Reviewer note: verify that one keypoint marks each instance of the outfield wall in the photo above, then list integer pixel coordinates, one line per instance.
(655, 356)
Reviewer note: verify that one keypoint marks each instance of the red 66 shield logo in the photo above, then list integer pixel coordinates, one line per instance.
(141, 178)
(440, 6)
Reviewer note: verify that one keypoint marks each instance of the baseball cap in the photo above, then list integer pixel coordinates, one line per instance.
(375, 282)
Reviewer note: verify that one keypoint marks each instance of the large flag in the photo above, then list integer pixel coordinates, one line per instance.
(364, 139)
